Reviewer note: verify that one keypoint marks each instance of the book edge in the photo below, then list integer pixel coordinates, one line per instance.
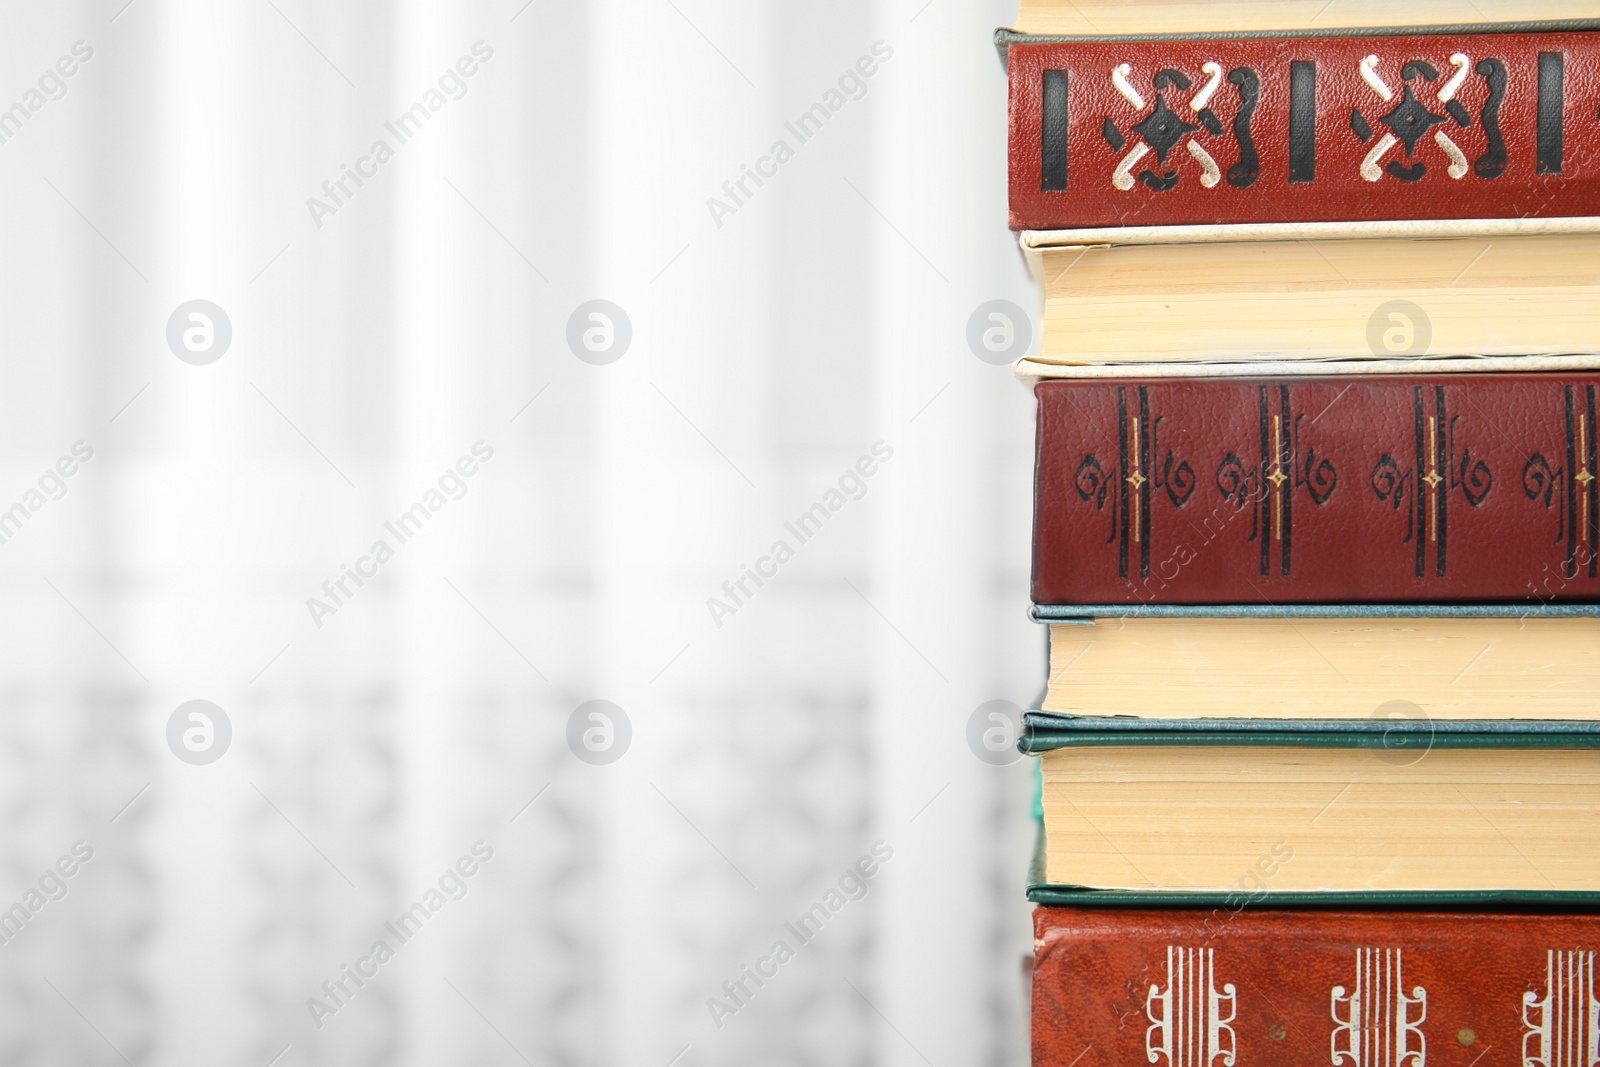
(1086, 613)
(1060, 895)
(1235, 232)
(1039, 368)
(1046, 731)
(1005, 38)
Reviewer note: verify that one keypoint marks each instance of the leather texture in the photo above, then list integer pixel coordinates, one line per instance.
(1237, 986)
(1416, 489)
(1300, 129)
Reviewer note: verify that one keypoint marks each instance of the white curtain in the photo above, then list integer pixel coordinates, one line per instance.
(555, 530)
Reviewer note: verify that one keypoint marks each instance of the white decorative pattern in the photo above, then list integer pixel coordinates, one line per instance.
(1377, 1027)
(1369, 74)
(1462, 63)
(1458, 160)
(1370, 169)
(1564, 1027)
(1212, 174)
(1119, 78)
(1369, 166)
(1213, 70)
(1122, 175)
(1190, 1029)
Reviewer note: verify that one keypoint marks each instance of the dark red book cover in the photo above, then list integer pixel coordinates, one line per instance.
(1348, 489)
(1304, 129)
(1227, 988)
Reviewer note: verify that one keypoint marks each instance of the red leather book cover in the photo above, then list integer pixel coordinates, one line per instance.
(1240, 988)
(1350, 489)
(1304, 129)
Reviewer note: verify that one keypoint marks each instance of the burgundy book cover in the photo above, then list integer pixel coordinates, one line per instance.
(1350, 489)
(1304, 129)
(1225, 988)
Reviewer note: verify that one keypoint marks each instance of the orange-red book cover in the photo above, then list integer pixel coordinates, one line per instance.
(1225, 988)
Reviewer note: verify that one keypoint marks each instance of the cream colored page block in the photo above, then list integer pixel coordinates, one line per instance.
(1546, 668)
(1093, 17)
(1204, 818)
(1322, 299)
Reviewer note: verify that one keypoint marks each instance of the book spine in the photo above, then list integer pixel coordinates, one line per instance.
(1236, 985)
(1304, 129)
(1416, 489)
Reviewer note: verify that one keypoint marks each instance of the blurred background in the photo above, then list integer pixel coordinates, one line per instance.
(245, 346)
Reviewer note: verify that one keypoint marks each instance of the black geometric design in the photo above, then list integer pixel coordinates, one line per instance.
(1493, 162)
(1411, 121)
(1136, 477)
(1176, 476)
(1434, 476)
(1161, 183)
(1053, 133)
(1359, 126)
(1418, 66)
(1244, 173)
(1162, 129)
(1092, 482)
(1549, 131)
(1319, 477)
(1472, 477)
(1271, 486)
(1389, 484)
(1302, 122)
(1412, 173)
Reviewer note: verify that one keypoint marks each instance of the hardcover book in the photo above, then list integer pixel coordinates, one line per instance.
(1382, 125)
(1237, 987)
(1363, 489)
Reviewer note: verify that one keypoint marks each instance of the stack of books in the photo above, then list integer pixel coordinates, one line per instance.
(1317, 530)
